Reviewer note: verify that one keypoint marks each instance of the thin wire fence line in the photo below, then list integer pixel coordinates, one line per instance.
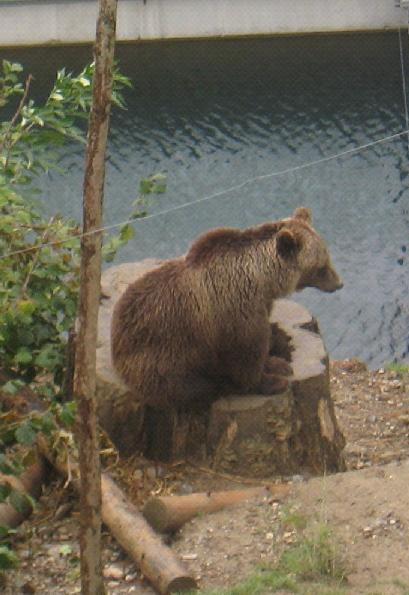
(402, 67)
(239, 186)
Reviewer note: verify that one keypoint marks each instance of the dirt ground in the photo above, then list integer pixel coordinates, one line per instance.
(367, 508)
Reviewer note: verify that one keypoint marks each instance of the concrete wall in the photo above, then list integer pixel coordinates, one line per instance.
(30, 22)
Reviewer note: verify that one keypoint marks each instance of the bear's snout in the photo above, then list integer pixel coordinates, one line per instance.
(335, 287)
(332, 282)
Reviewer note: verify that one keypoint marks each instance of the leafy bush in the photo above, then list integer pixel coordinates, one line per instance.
(39, 287)
(40, 259)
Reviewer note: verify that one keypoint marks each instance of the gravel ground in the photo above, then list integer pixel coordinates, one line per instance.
(367, 507)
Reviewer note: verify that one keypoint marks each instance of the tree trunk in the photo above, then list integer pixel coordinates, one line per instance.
(85, 361)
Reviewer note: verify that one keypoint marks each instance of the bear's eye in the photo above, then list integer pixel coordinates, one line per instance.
(322, 272)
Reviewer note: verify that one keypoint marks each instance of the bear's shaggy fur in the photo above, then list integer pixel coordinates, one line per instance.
(198, 326)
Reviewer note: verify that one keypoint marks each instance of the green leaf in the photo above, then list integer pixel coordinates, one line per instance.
(47, 423)
(56, 96)
(21, 501)
(67, 413)
(26, 306)
(12, 386)
(159, 185)
(153, 185)
(43, 423)
(8, 558)
(5, 489)
(48, 358)
(23, 356)
(145, 186)
(15, 67)
(84, 81)
(127, 233)
(25, 434)
(6, 531)
(7, 466)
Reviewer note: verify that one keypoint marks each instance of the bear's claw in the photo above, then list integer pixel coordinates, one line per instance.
(277, 365)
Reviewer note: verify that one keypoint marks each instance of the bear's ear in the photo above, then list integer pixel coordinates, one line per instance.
(303, 214)
(287, 243)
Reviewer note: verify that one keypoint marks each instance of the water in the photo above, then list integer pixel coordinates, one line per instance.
(212, 114)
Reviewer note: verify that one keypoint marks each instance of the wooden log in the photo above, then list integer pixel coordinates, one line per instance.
(30, 481)
(169, 513)
(155, 560)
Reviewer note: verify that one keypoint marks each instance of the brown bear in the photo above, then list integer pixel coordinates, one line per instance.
(198, 326)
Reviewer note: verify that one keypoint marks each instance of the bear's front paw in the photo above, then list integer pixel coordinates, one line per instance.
(277, 365)
(273, 385)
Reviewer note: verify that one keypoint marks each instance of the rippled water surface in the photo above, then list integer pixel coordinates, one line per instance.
(213, 114)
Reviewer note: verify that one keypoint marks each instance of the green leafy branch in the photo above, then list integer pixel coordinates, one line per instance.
(28, 142)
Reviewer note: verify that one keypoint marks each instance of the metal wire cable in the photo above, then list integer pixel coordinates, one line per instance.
(402, 66)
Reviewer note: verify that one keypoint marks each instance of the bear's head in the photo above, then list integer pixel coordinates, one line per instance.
(299, 244)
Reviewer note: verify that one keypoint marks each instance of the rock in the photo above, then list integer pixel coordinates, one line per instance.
(253, 435)
(130, 577)
(187, 557)
(114, 572)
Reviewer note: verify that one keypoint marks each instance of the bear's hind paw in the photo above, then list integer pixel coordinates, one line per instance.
(277, 365)
(273, 385)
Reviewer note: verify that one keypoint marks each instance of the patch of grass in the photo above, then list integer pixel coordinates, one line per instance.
(313, 566)
(293, 519)
(398, 367)
(260, 582)
(404, 587)
(314, 557)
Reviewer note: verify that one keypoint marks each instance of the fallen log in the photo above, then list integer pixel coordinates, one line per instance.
(32, 479)
(30, 482)
(155, 560)
(168, 513)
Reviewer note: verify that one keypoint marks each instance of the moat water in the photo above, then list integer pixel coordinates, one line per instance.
(213, 114)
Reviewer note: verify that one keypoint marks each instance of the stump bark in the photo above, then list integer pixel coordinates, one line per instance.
(253, 435)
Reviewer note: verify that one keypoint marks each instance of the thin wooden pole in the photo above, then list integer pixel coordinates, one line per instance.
(85, 359)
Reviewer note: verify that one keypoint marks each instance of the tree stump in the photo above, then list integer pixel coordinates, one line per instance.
(252, 435)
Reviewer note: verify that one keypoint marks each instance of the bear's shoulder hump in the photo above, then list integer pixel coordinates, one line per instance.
(227, 240)
(213, 243)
